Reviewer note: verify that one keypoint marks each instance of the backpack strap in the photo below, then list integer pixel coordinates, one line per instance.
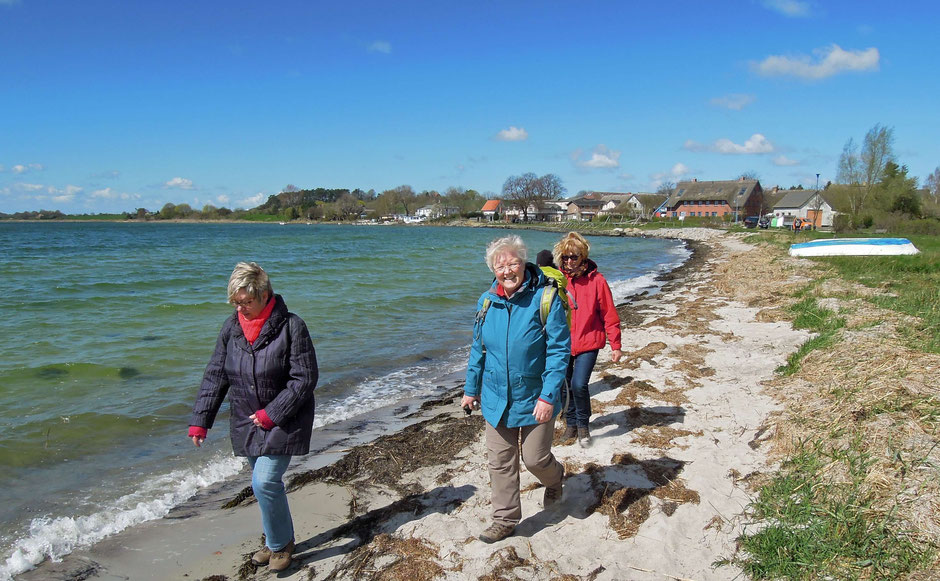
(548, 295)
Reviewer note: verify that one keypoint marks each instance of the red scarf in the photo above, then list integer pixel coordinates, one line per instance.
(252, 328)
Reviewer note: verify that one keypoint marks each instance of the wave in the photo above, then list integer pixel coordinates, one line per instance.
(53, 538)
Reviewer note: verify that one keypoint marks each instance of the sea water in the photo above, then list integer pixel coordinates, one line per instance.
(109, 327)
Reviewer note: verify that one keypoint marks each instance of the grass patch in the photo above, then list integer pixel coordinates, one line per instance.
(809, 315)
(908, 284)
(817, 520)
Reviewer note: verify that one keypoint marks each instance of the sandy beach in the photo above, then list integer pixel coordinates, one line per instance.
(681, 428)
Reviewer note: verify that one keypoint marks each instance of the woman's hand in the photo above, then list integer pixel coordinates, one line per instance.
(198, 441)
(543, 411)
(470, 403)
(615, 355)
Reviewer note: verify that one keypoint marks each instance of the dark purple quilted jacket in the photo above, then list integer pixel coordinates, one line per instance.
(277, 374)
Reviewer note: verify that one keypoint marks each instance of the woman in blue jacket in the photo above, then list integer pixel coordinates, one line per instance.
(516, 375)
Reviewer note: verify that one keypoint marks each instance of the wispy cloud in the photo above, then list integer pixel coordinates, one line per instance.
(756, 144)
(26, 168)
(791, 8)
(253, 201)
(112, 194)
(512, 134)
(179, 184)
(675, 173)
(784, 161)
(9, 2)
(381, 46)
(28, 187)
(828, 61)
(734, 101)
(601, 158)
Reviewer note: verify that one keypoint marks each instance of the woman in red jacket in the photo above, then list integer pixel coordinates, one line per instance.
(594, 322)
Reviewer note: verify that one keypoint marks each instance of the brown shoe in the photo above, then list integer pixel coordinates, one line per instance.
(262, 557)
(496, 532)
(281, 560)
(584, 437)
(570, 433)
(552, 494)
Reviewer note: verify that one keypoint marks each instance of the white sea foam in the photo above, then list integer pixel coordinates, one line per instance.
(55, 537)
(372, 394)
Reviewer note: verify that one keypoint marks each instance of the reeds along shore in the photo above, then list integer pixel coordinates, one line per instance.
(688, 427)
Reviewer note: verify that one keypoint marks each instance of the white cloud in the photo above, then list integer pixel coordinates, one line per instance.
(756, 144)
(222, 199)
(9, 2)
(783, 160)
(601, 158)
(179, 183)
(111, 194)
(830, 61)
(253, 201)
(28, 187)
(21, 168)
(64, 198)
(513, 134)
(791, 8)
(735, 102)
(381, 46)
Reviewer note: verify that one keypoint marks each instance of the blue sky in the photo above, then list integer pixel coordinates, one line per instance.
(114, 105)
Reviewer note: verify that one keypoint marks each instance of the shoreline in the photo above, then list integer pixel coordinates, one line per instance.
(206, 540)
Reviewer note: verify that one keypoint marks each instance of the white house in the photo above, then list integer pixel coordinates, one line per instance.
(808, 204)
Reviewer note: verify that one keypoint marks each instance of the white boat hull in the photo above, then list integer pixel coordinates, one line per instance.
(854, 247)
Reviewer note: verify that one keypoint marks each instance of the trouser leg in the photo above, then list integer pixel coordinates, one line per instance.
(537, 454)
(579, 375)
(266, 482)
(502, 451)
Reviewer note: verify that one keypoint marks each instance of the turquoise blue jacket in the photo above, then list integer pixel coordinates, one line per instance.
(513, 361)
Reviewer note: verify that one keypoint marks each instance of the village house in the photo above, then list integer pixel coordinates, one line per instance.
(584, 208)
(808, 204)
(491, 210)
(737, 198)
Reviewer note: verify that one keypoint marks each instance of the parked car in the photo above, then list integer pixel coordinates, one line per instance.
(751, 222)
(803, 224)
(764, 223)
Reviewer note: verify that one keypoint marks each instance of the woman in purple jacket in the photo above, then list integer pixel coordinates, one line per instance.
(265, 360)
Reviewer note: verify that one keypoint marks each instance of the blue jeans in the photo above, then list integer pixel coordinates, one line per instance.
(266, 474)
(579, 399)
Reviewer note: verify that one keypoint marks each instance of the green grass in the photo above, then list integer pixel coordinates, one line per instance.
(809, 315)
(911, 285)
(809, 527)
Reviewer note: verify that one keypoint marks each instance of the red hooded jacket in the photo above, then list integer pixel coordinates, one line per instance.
(595, 320)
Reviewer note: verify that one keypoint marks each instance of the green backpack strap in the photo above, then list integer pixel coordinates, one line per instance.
(548, 295)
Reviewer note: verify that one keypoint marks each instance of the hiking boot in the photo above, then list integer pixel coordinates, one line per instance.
(552, 494)
(496, 532)
(570, 433)
(584, 437)
(262, 557)
(280, 560)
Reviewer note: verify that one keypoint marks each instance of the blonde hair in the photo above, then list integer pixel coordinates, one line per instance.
(571, 243)
(511, 244)
(252, 278)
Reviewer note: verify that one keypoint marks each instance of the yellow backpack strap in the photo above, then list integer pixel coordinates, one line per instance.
(548, 295)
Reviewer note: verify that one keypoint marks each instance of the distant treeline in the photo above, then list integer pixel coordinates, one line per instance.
(293, 203)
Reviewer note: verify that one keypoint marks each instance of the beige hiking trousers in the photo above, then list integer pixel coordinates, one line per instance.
(502, 450)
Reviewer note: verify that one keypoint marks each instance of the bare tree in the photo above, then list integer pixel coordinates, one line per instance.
(865, 169)
(529, 191)
(933, 185)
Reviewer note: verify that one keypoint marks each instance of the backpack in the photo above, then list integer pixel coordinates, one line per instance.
(550, 289)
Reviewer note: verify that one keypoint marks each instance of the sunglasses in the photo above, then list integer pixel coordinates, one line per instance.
(571, 257)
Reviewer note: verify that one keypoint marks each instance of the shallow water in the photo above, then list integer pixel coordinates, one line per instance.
(110, 327)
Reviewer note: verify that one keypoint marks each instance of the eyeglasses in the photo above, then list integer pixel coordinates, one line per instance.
(571, 257)
(512, 266)
(243, 304)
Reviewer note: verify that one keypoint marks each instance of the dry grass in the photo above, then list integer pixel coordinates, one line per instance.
(389, 558)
